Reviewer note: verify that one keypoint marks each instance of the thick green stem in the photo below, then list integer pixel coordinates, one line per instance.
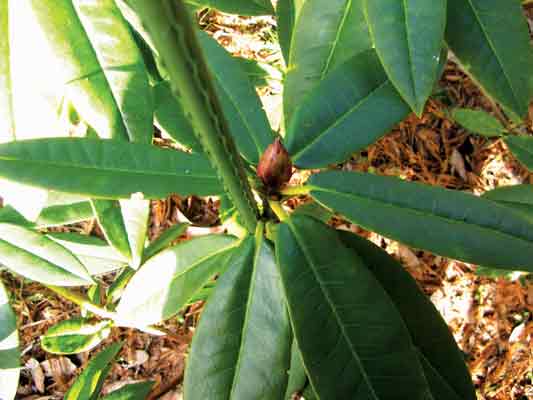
(295, 191)
(278, 210)
(172, 33)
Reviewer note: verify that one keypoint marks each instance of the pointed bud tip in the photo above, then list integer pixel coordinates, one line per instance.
(275, 166)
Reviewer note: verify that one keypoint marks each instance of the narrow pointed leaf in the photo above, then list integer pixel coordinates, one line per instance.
(356, 93)
(165, 239)
(133, 391)
(297, 374)
(240, 7)
(242, 108)
(479, 122)
(115, 290)
(244, 332)
(101, 64)
(170, 117)
(522, 148)
(11, 216)
(92, 168)
(9, 352)
(135, 213)
(424, 217)
(165, 283)
(519, 194)
(39, 258)
(326, 34)
(74, 336)
(287, 11)
(353, 341)
(88, 385)
(408, 38)
(491, 41)
(109, 217)
(64, 214)
(428, 330)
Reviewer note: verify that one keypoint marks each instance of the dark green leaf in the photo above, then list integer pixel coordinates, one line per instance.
(479, 122)
(315, 210)
(109, 217)
(39, 258)
(75, 335)
(165, 239)
(520, 194)
(242, 108)
(447, 222)
(93, 168)
(287, 12)
(88, 385)
(353, 341)
(165, 283)
(327, 33)
(240, 7)
(97, 56)
(244, 332)
(9, 352)
(356, 94)
(134, 391)
(297, 374)
(491, 40)
(408, 38)
(170, 117)
(428, 330)
(522, 148)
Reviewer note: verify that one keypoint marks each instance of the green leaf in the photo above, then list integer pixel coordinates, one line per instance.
(75, 335)
(88, 385)
(242, 108)
(115, 290)
(64, 214)
(39, 258)
(11, 216)
(297, 374)
(240, 7)
(479, 122)
(519, 194)
(135, 213)
(9, 352)
(109, 217)
(287, 12)
(356, 93)
(133, 391)
(490, 39)
(165, 239)
(447, 222)
(408, 38)
(326, 34)
(522, 149)
(244, 332)
(94, 253)
(7, 120)
(428, 330)
(353, 341)
(93, 168)
(170, 117)
(315, 210)
(165, 283)
(101, 65)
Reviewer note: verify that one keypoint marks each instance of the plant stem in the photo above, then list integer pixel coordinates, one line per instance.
(295, 191)
(278, 210)
(82, 301)
(171, 30)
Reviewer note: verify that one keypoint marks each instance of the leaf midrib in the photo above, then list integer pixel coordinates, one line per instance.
(335, 43)
(309, 259)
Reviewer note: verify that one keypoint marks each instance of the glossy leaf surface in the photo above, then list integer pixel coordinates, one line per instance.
(165, 283)
(74, 336)
(353, 341)
(428, 330)
(109, 217)
(522, 148)
(101, 65)
(241, 347)
(424, 217)
(356, 93)
(39, 258)
(133, 391)
(242, 108)
(92, 168)
(479, 122)
(326, 34)
(491, 40)
(88, 385)
(287, 12)
(408, 39)
(64, 214)
(9, 352)
(135, 213)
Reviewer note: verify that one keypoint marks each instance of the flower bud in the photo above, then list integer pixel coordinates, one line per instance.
(275, 166)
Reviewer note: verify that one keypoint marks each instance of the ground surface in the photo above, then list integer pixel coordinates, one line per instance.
(491, 318)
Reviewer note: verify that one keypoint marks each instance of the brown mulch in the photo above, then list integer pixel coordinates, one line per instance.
(491, 319)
